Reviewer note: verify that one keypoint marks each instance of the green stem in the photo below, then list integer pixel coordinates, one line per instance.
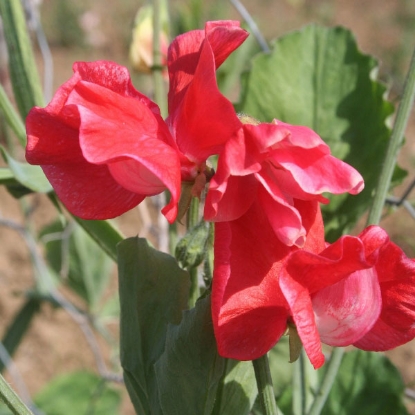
(159, 93)
(265, 388)
(10, 398)
(394, 145)
(192, 221)
(333, 366)
(23, 72)
(299, 387)
(12, 118)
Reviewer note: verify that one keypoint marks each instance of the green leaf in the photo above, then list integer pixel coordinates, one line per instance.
(19, 326)
(367, 383)
(103, 233)
(237, 391)
(318, 78)
(153, 292)
(31, 177)
(23, 73)
(78, 393)
(190, 367)
(86, 266)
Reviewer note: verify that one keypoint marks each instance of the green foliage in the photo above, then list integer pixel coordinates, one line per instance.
(367, 383)
(153, 293)
(78, 393)
(27, 178)
(237, 390)
(190, 366)
(86, 267)
(103, 233)
(19, 326)
(318, 78)
(62, 23)
(23, 73)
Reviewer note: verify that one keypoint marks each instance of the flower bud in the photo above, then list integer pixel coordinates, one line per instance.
(141, 48)
(191, 249)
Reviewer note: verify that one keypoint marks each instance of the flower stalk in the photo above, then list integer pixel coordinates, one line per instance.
(395, 144)
(10, 398)
(265, 388)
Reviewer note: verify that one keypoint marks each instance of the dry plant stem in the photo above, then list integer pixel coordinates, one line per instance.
(46, 287)
(375, 213)
(265, 388)
(10, 398)
(252, 25)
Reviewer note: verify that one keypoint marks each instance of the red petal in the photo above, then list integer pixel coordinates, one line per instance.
(123, 133)
(396, 272)
(248, 309)
(114, 77)
(89, 191)
(249, 312)
(204, 120)
(302, 313)
(183, 54)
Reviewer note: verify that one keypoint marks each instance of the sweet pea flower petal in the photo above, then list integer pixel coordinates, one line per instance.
(248, 309)
(103, 145)
(359, 290)
(347, 310)
(396, 273)
(200, 117)
(290, 163)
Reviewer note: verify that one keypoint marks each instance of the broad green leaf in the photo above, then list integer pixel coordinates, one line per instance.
(29, 176)
(23, 73)
(78, 393)
(86, 266)
(103, 233)
(153, 292)
(367, 383)
(237, 390)
(190, 366)
(18, 327)
(318, 78)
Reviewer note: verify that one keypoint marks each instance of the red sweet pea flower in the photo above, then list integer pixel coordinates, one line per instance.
(104, 146)
(359, 290)
(276, 164)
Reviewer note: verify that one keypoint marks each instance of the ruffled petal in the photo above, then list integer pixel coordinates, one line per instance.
(204, 119)
(396, 273)
(183, 54)
(123, 133)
